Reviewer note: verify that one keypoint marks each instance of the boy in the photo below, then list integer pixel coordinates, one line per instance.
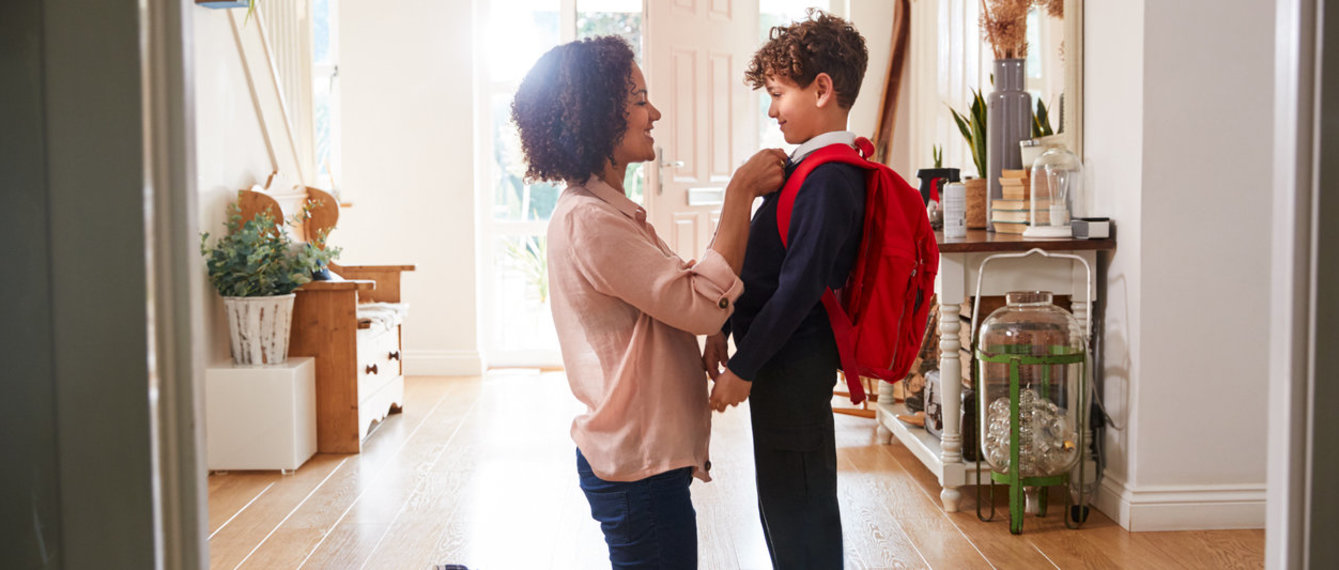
(786, 358)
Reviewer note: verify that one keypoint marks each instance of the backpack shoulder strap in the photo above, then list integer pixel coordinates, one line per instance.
(832, 153)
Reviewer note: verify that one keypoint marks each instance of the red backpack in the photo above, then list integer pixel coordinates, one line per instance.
(879, 317)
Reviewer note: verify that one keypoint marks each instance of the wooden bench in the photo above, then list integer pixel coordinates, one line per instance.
(351, 326)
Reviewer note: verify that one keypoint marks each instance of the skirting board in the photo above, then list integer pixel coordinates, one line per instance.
(442, 363)
(1197, 507)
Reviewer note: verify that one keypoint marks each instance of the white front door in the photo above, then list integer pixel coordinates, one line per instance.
(696, 53)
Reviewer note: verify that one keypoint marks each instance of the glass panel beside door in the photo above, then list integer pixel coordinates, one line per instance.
(516, 322)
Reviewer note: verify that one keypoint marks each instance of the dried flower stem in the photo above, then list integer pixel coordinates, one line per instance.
(1004, 25)
(1054, 8)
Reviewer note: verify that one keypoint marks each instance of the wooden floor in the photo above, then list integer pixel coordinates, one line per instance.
(481, 472)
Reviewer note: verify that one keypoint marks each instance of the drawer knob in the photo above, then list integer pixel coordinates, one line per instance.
(371, 369)
(394, 355)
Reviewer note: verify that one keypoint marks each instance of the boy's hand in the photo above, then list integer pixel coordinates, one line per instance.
(761, 175)
(714, 355)
(729, 390)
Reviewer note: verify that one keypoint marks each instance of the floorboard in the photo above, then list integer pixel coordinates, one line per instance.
(481, 471)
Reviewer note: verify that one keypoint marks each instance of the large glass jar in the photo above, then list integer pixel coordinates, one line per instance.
(1030, 359)
(1057, 176)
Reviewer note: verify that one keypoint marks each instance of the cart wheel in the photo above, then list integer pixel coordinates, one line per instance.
(1078, 513)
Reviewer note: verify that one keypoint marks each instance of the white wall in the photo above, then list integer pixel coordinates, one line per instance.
(1177, 138)
(407, 86)
(874, 20)
(1207, 148)
(1113, 134)
(230, 149)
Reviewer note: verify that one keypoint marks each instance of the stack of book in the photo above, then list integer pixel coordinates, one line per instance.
(1009, 215)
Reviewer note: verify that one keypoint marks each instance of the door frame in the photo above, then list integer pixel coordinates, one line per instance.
(1293, 360)
(176, 314)
(109, 363)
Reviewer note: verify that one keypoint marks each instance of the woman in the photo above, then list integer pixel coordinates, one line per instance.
(625, 306)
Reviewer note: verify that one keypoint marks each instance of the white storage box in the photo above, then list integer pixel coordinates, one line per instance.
(260, 417)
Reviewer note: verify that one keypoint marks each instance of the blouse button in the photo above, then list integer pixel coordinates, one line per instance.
(724, 303)
(708, 465)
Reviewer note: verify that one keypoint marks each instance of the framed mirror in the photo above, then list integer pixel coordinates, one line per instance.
(1055, 69)
(949, 60)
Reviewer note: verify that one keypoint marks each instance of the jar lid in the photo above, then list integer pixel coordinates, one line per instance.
(1028, 298)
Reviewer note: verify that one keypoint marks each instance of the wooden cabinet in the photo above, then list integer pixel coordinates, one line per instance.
(359, 371)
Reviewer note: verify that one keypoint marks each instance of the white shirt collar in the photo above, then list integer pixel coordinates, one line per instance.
(820, 141)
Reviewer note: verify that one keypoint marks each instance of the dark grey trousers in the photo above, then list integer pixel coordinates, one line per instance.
(796, 457)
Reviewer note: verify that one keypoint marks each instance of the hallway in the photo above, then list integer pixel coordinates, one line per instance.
(480, 472)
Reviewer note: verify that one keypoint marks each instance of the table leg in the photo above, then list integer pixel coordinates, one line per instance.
(950, 380)
(881, 433)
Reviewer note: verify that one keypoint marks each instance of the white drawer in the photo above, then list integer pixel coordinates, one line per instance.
(380, 376)
(378, 360)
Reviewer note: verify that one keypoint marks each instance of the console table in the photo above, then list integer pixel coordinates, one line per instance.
(959, 260)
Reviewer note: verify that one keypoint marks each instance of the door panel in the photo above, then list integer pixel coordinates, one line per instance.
(720, 93)
(696, 52)
(685, 230)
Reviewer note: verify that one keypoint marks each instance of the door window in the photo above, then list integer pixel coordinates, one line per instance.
(772, 13)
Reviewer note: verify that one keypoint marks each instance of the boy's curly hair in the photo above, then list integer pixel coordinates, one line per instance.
(821, 43)
(571, 108)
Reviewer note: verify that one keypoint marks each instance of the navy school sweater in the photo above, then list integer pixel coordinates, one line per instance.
(781, 307)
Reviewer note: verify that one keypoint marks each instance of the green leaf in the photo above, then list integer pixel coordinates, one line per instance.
(257, 258)
(1041, 121)
(973, 128)
(962, 125)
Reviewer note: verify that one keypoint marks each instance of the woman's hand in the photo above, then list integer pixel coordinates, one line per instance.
(714, 355)
(761, 175)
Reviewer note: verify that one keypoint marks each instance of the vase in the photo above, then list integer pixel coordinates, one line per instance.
(259, 328)
(1009, 120)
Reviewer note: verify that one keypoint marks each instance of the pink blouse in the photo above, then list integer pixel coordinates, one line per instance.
(627, 310)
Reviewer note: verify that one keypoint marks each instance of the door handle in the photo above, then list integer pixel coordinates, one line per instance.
(661, 165)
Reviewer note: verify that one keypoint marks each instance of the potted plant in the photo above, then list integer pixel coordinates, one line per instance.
(256, 267)
(972, 125)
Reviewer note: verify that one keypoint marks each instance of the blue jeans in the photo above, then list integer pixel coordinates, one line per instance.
(648, 523)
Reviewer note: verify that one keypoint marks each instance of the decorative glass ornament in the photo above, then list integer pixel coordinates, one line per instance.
(1032, 394)
(1057, 178)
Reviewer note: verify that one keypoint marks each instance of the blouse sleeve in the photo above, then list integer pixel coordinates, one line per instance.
(621, 261)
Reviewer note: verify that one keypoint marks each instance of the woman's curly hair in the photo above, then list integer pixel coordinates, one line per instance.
(571, 108)
(821, 43)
